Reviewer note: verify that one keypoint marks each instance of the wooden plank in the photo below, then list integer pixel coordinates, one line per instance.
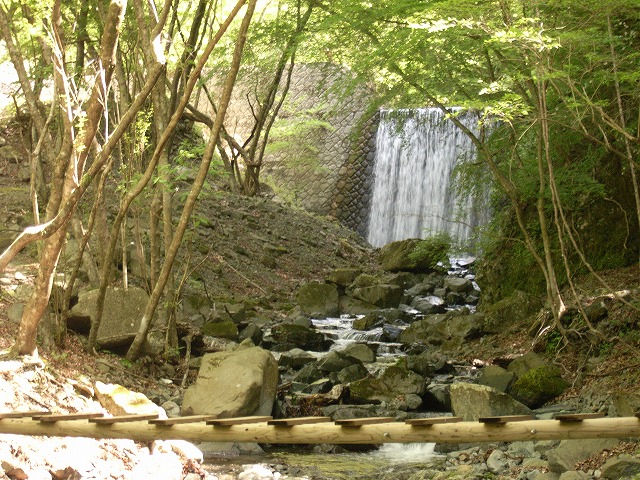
(500, 420)
(427, 422)
(228, 422)
(357, 422)
(25, 414)
(577, 417)
(123, 419)
(51, 418)
(290, 422)
(167, 422)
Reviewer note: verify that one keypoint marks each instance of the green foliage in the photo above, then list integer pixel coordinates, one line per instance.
(434, 250)
(553, 342)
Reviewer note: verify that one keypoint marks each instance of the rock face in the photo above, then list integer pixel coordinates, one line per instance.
(123, 310)
(234, 384)
(319, 299)
(471, 402)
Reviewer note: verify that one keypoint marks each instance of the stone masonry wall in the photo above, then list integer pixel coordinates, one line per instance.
(321, 144)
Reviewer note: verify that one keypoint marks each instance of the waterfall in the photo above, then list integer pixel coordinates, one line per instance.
(416, 152)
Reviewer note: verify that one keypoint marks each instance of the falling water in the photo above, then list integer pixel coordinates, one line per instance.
(416, 152)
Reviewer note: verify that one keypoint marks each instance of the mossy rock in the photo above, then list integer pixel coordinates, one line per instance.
(220, 325)
(398, 257)
(538, 386)
(319, 299)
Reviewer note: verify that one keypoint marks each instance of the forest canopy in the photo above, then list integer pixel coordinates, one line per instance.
(557, 83)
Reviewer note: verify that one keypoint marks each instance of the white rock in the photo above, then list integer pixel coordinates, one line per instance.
(161, 466)
(186, 449)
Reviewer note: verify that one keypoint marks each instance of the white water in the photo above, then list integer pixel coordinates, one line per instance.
(416, 152)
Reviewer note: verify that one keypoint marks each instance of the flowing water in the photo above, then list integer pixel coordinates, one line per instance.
(413, 196)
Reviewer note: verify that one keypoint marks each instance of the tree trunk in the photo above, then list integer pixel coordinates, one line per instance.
(145, 324)
(146, 177)
(37, 303)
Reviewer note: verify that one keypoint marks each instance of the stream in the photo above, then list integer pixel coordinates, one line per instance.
(343, 462)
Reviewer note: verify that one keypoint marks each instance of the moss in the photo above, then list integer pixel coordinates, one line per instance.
(538, 386)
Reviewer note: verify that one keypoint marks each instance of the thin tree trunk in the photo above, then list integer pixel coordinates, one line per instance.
(146, 177)
(37, 303)
(145, 324)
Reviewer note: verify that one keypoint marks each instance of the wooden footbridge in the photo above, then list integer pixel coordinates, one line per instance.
(316, 430)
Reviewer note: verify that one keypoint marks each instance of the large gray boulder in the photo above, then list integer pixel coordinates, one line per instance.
(318, 299)
(471, 402)
(522, 364)
(123, 310)
(394, 384)
(440, 327)
(234, 384)
(381, 295)
(496, 377)
(570, 452)
(291, 335)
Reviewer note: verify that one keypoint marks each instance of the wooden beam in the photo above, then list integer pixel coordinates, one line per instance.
(26, 414)
(427, 422)
(50, 418)
(328, 432)
(227, 422)
(168, 422)
(358, 422)
(290, 422)
(577, 417)
(123, 419)
(501, 420)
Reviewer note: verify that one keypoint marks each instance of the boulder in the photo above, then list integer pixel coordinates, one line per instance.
(569, 452)
(352, 373)
(423, 330)
(394, 383)
(458, 285)
(510, 310)
(319, 299)
(429, 305)
(296, 358)
(220, 324)
(621, 467)
(381, 295)
(118, 400)
(234, 384)
(335, 361)
(123, 311)
(343, 277)
(526, 362)
(289, 334)
(355, 306)
(362, 352)
(440, 327)
(471, 402)
(496, 377)
(538, 386)
(397, 257)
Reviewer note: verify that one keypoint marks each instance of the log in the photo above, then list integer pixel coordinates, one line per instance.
(328, 432)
